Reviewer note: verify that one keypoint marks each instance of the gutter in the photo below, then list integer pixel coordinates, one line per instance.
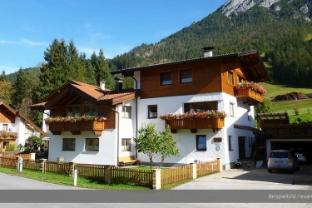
(136, 114)
(118, 142)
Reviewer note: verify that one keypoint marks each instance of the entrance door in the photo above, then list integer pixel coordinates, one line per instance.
(241, 147)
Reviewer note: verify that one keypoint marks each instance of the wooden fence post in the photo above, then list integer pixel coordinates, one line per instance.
(72, 168)
(219, 162)
(108, 174)
(157, 179)
(32, 156)
(43, 165)
(194, 170)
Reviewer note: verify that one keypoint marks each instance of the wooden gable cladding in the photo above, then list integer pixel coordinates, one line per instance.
(205, 79)
(6, 116)
(236, 70)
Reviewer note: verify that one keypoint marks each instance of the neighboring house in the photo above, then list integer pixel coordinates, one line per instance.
(15, 128)
(89, 124)
(190, 97)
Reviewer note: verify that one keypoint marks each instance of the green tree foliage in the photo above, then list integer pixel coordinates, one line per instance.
(64, 63)
(152, 143)
(264, 107)
(23, 88)
(33, 143)
(5, 89)
(148, 142)
(101, 70)
(167, 146)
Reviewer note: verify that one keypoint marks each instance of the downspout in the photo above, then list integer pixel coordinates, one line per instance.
(136, 114)
(118, 142)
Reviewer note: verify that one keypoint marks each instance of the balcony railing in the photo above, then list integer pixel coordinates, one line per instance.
(8, 135)
(194, 121)
(250, 92)
(76, 124)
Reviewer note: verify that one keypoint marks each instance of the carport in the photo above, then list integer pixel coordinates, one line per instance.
(278, 133)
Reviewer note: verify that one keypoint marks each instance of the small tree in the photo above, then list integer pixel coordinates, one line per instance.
(167, 146)
(148, 142)
(264, 107)
(33, 143)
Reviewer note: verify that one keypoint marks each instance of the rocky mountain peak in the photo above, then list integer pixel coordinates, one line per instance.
(234, 7)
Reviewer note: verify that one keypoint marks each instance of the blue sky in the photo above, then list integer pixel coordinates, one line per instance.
(28, 27)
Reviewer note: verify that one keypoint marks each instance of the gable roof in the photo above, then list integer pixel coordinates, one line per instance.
(250, 61)
(24, 118)
(91, 92)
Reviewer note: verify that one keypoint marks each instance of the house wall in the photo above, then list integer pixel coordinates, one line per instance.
(127, 129)
(107, 154)
(23, 131)
(206, 77)
(186, 140)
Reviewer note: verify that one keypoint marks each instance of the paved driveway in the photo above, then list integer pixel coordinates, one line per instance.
(15, 182)
(253, 179)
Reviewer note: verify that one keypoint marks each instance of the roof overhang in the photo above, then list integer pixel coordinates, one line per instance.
(251, 63)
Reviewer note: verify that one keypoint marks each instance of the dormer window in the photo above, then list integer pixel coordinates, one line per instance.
(186, 76)
(165, 78)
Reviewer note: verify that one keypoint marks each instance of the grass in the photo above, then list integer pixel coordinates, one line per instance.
(67, 180)
(276, 89)
(303, 107)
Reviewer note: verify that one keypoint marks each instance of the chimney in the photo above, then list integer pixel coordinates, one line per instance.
(208, 51)
(102, 85)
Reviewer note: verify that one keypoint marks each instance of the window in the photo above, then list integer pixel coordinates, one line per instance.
(232, 109)
(126, 145)
(230, 143)
(69, 144)
(126, 111)
(5, 127)
(201, 143)
(92, 144)
(165, 78)
(152, 111)
(230, 77)
(200, 106)
(186, 76)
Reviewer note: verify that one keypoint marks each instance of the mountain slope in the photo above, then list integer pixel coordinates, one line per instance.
(280, 29)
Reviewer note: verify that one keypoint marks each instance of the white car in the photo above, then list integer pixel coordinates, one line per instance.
(282, 160)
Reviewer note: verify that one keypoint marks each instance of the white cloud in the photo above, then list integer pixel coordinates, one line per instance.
(24, 42)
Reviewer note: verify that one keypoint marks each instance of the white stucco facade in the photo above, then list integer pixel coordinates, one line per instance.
(22, 130)
(110, 142)
(186, 141)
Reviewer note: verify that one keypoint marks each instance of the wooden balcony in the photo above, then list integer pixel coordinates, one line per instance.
(76, 127)
(248, 95)
(8, 135)
(195, 123)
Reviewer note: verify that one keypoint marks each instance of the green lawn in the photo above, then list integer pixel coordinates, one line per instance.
(303, 107)
(275, 89)
(67, 180)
